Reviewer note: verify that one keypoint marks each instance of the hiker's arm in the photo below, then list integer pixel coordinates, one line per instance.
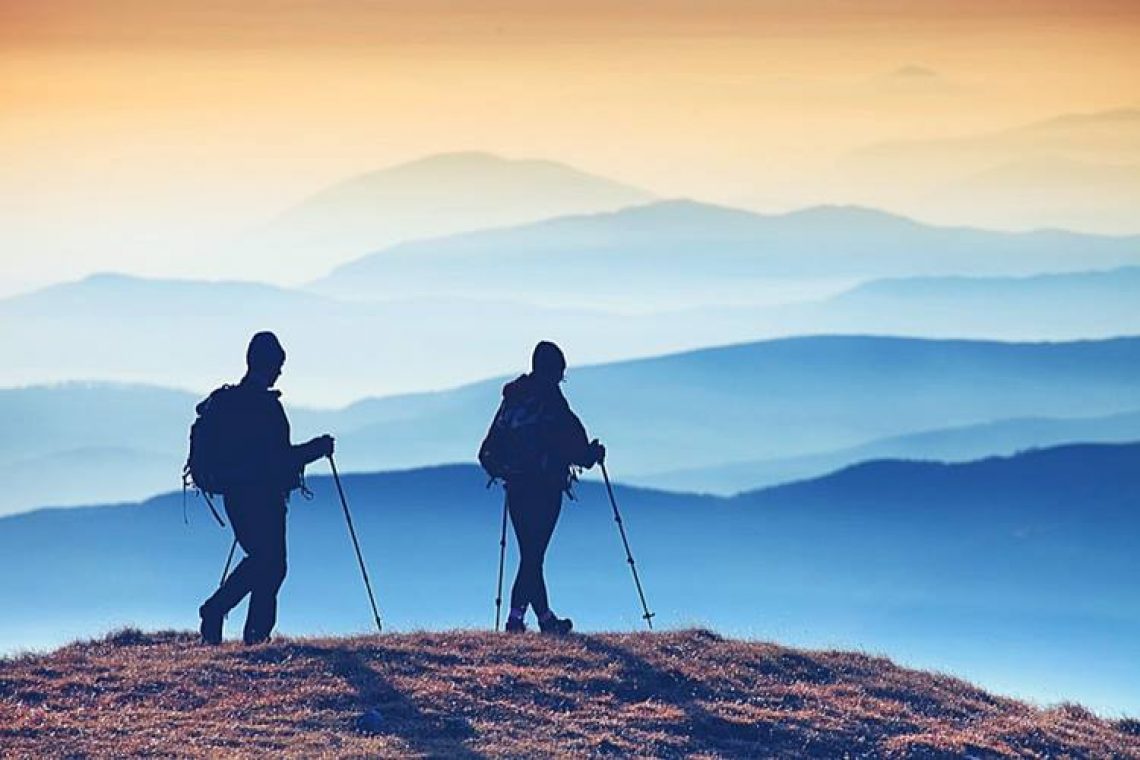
(578, 448)
(312, 450)
(302, 454)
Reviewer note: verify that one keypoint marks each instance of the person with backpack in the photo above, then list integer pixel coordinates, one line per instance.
(240, 447)
(534, 442)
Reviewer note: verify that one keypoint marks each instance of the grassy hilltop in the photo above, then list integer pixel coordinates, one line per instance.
(475, 694)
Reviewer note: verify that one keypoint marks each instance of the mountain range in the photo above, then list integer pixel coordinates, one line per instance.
(1003, 437)
(1074, 171)
(1055, 306)
(684, 253)
(778, 398)
(437, 195)
(190, 334)
(814, 400)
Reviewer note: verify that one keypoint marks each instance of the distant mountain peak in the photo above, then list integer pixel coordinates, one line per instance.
(850, 214)
(1033, 465)
(430, 197)
(1119, 116)
(470, 170)
(914, 70)
(475, 160)
(682, 209)
(455, 157)
(105, 281)
(108, 278)
(1126, 276)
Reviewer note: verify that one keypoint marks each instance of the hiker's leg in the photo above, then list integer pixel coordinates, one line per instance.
(268, 572)
(548, 506)
(521, 506)
(243, 519)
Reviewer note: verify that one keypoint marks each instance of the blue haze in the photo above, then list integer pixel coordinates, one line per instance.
(780, 399)
(687, 252)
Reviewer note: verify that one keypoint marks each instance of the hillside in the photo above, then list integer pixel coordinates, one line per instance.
(469, 694)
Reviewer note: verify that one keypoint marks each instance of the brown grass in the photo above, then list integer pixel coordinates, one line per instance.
(472, 694)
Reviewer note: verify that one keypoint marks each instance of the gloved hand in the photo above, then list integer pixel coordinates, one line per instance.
(321, 446)
(597, 451)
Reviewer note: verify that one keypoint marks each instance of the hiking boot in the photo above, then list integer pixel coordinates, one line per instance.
(211, 626)
(515, 625)
(253, 638)
(552, 624)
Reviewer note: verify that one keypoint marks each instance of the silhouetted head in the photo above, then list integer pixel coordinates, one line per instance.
(547, 362)
(264, 358)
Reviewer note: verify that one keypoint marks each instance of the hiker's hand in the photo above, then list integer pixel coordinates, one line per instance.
(598, 451)
(324, 445)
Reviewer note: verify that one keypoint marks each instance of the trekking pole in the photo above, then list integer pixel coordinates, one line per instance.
(229, 561)
(355, 544)
(226, 569)
(502, 559)
(648, 616)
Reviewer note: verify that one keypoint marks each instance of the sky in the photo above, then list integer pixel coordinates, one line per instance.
(134, 133)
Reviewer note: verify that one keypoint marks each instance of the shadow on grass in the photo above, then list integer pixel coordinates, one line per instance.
(801, 732)
(702, 731)
(428, 732)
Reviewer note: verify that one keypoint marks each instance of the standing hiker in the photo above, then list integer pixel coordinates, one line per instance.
(240, 445)
(534, 441)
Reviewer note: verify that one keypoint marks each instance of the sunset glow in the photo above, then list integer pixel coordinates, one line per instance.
(127, 126)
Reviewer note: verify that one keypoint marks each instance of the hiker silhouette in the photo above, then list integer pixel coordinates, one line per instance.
(533, 443)
(257, 467)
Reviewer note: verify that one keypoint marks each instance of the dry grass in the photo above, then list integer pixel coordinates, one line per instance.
(472, 694)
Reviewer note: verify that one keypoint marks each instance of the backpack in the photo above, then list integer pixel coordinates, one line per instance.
(514, 444)
(210, 460)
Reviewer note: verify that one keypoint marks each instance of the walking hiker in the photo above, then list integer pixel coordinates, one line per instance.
(241, 446)
(534, 441)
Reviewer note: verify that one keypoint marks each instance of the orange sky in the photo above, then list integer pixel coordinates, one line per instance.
(112, 111)
(337, 23)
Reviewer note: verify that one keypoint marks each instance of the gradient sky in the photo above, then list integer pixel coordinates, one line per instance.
(128, 127)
